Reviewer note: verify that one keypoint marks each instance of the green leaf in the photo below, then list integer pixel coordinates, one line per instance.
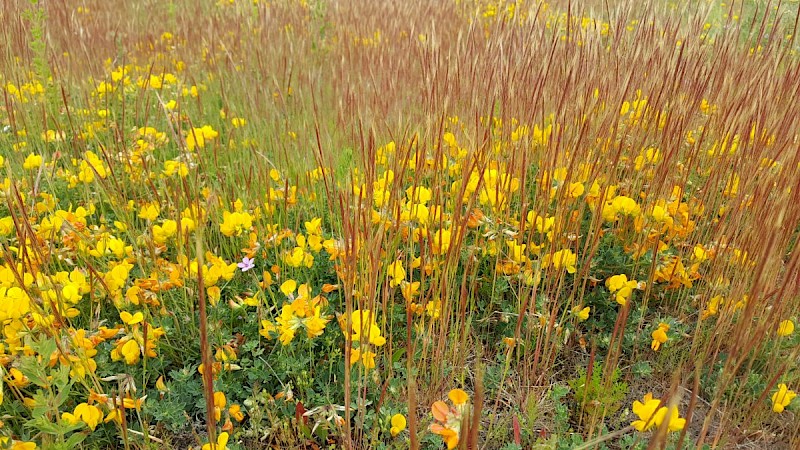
(31, 369)
(75, 439)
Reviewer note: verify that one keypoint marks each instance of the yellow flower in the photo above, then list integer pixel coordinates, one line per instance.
(581, 314)
(364, 328)
(219, 404)
(675, 421)
(131, 352)
(221, 444)
(14, 303)
(315, 324)
(575, 190)
(397, 273)
(562, 259)
(458, 397)
(172, 167)
(785, 328)
(516, 251)
(20, 445)
(267, 327)
(6, 225)
(441, 241)
(448, 420)
(91, 415)
(646, 412)
(449, 436)
(659, 214)
(16, 378)
(149, 211)
(131, 319)
(236, 413)
(434, 309)
(236, 223)
(368, 359)
(214, 293)
(659, 336)
(197, 137)
(713, 307)
(314, 227)
(162, 233)
(621, 288)
(620, 205)
(289, 323)
(398, 424)
(288, 287)
(651, 414)
(782, 397)
(32, 161)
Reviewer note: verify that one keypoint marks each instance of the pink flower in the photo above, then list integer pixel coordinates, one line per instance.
(246, 264)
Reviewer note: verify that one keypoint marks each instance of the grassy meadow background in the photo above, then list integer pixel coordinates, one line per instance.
(510, 224)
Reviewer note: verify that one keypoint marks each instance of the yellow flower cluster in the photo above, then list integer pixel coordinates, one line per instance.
(652, 413)
(361, 328)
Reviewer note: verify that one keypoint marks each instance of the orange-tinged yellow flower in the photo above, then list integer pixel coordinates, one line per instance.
(16, 378)
(448, 420)
(659, 336)
(219, 404)
(576, 189)
(449, 436)
(458, 397)
(236, 413)
(440, 410)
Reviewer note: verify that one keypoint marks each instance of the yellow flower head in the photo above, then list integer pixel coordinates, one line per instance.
(458, 397)
(221, 444)
(646, 411)
(562, 259)
(398, 424)
(782, 398)
(621, 288)
(652, 414)
(397, 273)
(659, 336)
(785, 328)
(581, 314)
